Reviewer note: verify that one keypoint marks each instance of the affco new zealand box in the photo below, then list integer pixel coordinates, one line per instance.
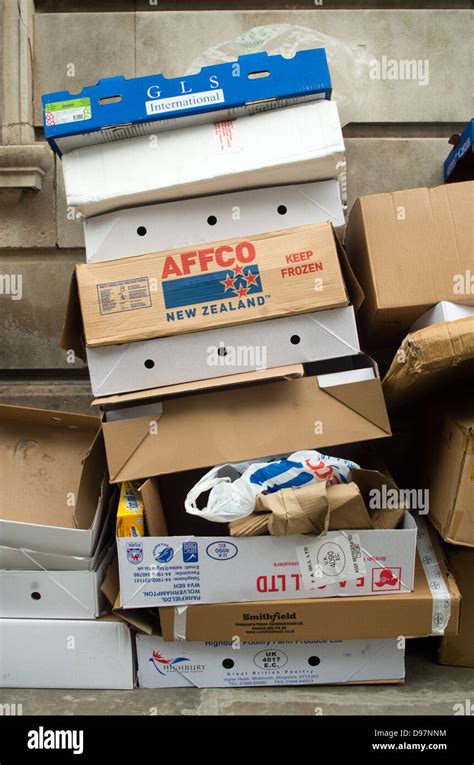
(292, 145)
(116, 108)
(234, 281)
(219, 665)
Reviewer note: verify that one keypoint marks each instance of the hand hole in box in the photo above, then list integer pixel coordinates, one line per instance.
(228, 663)
(141, 230)
(313, 661)
(110, 100)
(36, 595)
(149, 363)
(295, 339)
(282, 209)
(212, 220)
(258, 75)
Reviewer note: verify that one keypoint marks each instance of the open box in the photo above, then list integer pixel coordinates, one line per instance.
(53, 496)
(185, 559)
(277, 411)
(432, 608)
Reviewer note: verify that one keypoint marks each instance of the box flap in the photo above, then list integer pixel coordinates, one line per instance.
(244, 423)
(139, 619)
(72, 335)
(428, 359)
(170, 391)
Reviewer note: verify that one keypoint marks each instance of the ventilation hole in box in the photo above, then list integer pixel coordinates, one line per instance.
(258, 75)
(110, 100)
(36, 595)
(141, 230)
(295, 339)
(313, 661)
(282, 209)
(212, 220)
(149, 363)
(228, 663)
(221, 351)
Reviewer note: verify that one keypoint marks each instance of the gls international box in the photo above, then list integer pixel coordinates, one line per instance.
(117, 108)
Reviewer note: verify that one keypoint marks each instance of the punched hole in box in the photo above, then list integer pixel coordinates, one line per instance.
(222, 351)
(295, 339)
(36, 595)
(110, 100)
(258, 75)
(141, 230)
(228, 663)
(149, 363)
(313, 661)
(282, 209)
(212, 220)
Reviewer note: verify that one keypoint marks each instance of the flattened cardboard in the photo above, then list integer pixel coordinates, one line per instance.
(310, 337)
(245, 423)
(52, 500)
(410, 250)
(227, 282)
(449, 468)
(459, 650)
(382, 617)
(429, 359)
(291, 145)
(218, 665)
(36, 653)
(152, 228)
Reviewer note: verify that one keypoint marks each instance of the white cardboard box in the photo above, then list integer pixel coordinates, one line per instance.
(292, 145)
(225, 351)
(221, 665)
(443, 311)
(45, 594)
(187, 570)
(63, 653)
(151, 228)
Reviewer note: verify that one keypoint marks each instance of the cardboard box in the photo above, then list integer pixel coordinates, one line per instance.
(459, 164)
(438, 351)
(116, 108)
(139, 230)
(459, 650)
(234, 281)
(44, 594)
(234, 424)
(63, 653)
(53, 496)
(184, 561)
(220, 665)
(425, 611)
(449, 468)
(225, 351)
(291, 145)
(410, 250)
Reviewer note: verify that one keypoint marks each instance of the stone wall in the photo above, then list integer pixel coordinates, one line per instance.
(399, 139)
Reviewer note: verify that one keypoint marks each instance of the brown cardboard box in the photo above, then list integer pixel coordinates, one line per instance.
(410, 250)
(383, 616)
(450, 468)
(232, 424)
(459, 650)
(280, 273)
(429, 359)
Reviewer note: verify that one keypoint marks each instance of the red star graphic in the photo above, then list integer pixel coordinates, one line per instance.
(238, 270)
(242, 291)
(229, 283)
(251, 278)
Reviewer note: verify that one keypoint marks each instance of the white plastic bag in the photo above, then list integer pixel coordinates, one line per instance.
(348, 66)
(233, 489)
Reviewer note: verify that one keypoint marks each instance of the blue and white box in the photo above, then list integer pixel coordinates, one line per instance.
(459, 164)
(116, 108)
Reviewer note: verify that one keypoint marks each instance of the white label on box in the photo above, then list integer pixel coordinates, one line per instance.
(186, 101)
(328, 561)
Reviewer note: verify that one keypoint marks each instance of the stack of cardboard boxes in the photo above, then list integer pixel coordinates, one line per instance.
(216, 312)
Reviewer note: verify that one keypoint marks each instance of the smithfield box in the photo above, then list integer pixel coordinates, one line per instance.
(292, 145)
(151, 228)
(116, 108)
(185, 561)
(234, 281)
(218, 665)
